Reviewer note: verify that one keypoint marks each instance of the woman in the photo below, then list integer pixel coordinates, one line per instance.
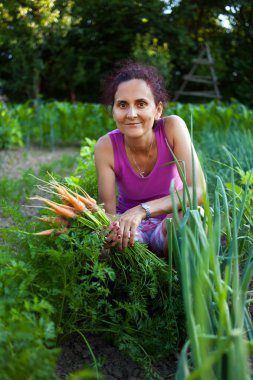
(130, 160)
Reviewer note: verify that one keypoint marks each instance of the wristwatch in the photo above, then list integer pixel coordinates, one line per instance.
(146, 207)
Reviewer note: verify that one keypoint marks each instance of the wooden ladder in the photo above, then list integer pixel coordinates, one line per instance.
(208, 80)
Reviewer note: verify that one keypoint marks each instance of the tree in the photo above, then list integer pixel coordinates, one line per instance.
(63, 48)
(237, 79)
(24, 27)
(192, 23)
(103, 34)
(148, 50)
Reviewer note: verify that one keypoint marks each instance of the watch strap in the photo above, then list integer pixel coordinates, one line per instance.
(146, 207)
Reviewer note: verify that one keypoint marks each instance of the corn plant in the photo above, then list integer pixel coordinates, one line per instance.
(215, 282)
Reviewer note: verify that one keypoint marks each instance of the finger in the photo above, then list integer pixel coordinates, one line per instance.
(113, 232)
(114, 225)
(120, 233)
(132, 236)
(119, 242)
(125, 238)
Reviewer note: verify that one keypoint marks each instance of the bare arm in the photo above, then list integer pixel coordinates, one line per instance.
(104, 160)
(180, 141)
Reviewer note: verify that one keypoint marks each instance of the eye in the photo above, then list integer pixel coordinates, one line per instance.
(142, 104)
(122, 105)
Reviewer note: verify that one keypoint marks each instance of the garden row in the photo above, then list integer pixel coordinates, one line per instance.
(53, 286)
(62, 124)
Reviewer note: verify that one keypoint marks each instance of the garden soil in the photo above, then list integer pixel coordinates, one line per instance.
(75, 355)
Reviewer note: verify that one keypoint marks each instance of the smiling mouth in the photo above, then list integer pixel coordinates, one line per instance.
(133, 123)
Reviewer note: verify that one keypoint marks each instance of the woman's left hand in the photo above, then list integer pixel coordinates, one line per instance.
(128, 224)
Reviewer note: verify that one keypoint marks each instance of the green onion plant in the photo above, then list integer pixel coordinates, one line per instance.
(215, 271)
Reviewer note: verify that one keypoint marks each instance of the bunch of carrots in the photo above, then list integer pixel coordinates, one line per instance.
(80, 207)
(72, 206)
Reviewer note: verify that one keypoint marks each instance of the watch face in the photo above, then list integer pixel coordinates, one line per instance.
(147, 209)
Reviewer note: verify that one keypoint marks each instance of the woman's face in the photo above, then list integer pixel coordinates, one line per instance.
(134, 109)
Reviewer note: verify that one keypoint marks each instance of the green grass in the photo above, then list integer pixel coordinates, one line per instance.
(210, 145)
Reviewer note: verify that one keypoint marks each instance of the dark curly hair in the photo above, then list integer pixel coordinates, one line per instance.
(134, 70)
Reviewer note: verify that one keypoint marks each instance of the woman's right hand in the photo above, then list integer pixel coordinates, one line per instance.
(113, 237)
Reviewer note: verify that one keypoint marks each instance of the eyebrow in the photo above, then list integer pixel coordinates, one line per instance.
(136, 100)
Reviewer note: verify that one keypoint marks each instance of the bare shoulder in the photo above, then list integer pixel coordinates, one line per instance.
(104, 150)
(174, 121)
(103, 144)
(175, 128)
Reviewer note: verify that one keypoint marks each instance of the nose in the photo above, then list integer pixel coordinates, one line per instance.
(131, 113)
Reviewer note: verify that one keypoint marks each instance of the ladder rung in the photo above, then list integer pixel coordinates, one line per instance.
(203, 61)
(200, 79)
(204, 94)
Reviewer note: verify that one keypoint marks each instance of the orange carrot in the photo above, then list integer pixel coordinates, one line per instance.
(50, 232)
(62, 211)
(59, 209)
(88, 203)
(87, 196)
(67, 207)
(52, 219)
(75, 202)
(61, 191)
(44, 233)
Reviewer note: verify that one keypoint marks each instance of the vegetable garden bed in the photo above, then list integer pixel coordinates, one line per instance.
(39, 269)
(74, 355)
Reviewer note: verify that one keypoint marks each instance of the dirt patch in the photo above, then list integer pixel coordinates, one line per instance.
(75, 355)
(112, 363)
(14, 162)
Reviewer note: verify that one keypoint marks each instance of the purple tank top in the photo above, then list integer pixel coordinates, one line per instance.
(133, 189)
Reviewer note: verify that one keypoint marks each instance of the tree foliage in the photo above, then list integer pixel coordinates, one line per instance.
(148, 51)
(62, 48)
(25, 27)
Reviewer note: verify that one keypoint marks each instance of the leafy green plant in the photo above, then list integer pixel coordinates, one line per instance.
(210, 145)
(50, 124)
(141, 276)
(52, 287)
(213, 116)
(85, 173)
(60, 123)
(27, 332)
(10, 129)
(239, 192)
(215, 287)
(85, 292)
